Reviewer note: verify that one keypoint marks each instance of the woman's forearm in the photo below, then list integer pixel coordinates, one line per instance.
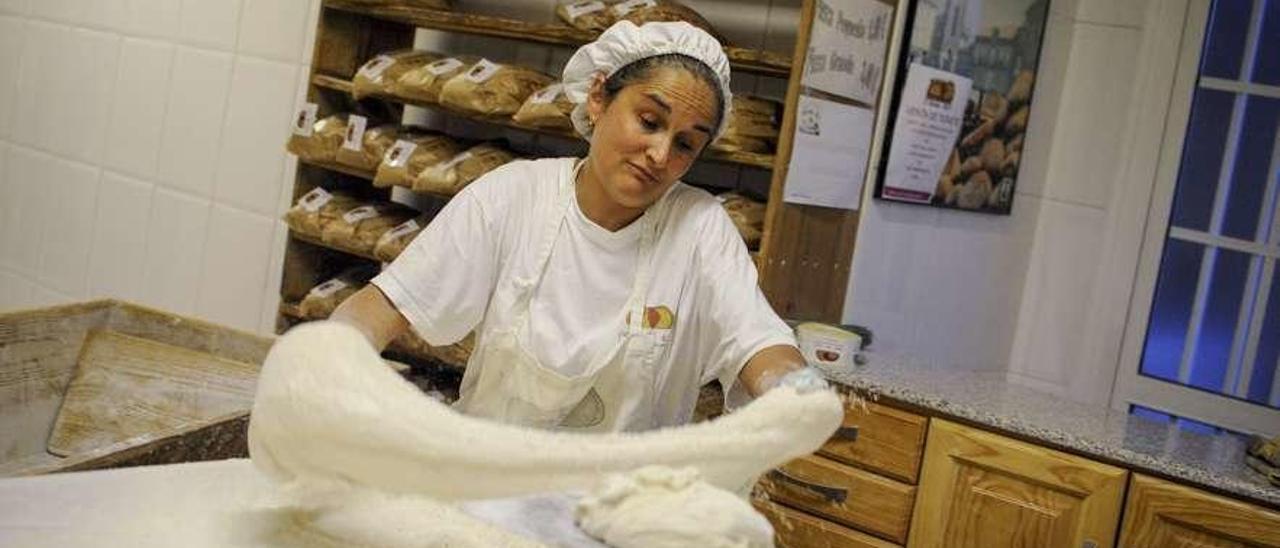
(767, 367)
(369, 311)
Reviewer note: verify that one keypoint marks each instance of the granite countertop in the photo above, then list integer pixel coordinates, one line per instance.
(986, 399)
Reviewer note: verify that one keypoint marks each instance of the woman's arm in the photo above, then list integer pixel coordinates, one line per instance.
(767, 368)
(373, 314)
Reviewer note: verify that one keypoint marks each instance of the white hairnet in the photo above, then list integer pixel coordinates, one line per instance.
(624, 43)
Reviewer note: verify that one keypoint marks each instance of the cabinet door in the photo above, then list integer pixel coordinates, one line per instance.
(982, 490)
(1162, 514)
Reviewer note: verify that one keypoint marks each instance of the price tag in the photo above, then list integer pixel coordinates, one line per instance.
(482, 71)
(402, 229)
(305, 121)
(375, 67)
(629, 6)
(444, 65)
(355, 133)
(359, 214)
(314, 200)
(579, 9)
(547, 94)
(398, 155)
(328, 288)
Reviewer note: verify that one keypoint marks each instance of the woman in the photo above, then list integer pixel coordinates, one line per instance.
(603, 290)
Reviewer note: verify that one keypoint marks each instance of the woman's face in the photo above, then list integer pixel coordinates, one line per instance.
(649, 135)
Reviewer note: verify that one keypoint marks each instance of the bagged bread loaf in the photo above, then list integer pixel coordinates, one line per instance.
(452, 176)
(316, 209)
(549, 107)
(591, 15)
(412, 153)
(492, 89)
(321, 300)
(378, 75)
(747, 216)
(359, 228)
(364, 150)
(323, 139)
(655, 11)
(752, 126)
(433, 4)
(424, 83)
(393, 242)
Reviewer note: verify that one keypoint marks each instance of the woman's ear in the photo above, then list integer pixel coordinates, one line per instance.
(597, 99)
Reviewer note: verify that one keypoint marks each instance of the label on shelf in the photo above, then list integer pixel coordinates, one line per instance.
(359, 214)
(314, 200)
(304, 122)
(579, 9)
(547, 94)
(398, 155)
(355, 133)
(629, 6)
(482, 71)
(402, 229)
(375, 67)
(328, 288)
(444, 65)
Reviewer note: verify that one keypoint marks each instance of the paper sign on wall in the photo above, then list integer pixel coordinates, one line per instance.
(829, 159)
(847, 48)
(930, 116)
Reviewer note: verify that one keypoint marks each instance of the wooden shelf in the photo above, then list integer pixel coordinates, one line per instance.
(762, 161)
(755, 61)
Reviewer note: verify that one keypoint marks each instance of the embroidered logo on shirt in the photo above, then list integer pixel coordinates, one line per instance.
(657, 317)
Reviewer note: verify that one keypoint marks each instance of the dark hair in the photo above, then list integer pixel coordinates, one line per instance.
(640, 70)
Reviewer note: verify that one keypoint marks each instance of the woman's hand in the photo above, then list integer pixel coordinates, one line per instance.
(369, 311)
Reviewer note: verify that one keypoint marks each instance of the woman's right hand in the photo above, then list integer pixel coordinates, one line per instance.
(369, 311)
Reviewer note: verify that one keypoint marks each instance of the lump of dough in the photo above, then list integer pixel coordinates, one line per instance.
(660, 507)
(327, 408)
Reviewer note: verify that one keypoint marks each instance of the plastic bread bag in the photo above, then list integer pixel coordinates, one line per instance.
(425, 83)
(747, 215)
(317, 141)
(316, 209)
(393, 242)
(549, 107)
(754, 117)
(492, 88)
(359, 228)
(364, 151)
(379, 74)
(412, 153)
(322, 299)
(655, 11)
(453, 175)
(589, 15)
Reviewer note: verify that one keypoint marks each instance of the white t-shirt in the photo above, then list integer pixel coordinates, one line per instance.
(715, 316)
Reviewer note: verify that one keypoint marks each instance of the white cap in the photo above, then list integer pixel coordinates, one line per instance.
(624, 43)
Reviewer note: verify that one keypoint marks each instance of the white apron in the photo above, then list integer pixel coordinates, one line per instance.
(615, 392)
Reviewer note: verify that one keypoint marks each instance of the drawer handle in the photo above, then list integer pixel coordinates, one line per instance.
(833, 495)
(846, 433)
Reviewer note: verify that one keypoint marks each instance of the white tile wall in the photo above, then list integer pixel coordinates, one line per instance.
(150, 162)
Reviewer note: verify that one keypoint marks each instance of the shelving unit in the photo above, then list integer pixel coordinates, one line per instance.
(805, 252)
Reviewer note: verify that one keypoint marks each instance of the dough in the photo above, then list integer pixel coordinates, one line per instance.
(327, 409)
(658, 507)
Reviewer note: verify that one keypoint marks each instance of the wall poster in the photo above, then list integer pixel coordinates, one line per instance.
(962, 101)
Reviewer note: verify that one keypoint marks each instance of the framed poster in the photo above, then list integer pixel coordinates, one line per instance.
(962, 102)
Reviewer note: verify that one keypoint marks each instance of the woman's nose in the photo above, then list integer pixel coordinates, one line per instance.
(659, 151)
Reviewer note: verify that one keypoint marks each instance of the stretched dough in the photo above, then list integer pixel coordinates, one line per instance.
(328, 409)
(658, 507)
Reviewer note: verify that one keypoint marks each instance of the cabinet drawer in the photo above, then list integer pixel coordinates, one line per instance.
(879, 438)
(795, 529)
(847, 495)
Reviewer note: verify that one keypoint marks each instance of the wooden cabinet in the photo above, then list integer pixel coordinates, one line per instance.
(879, 438)
(846, 495)
(982, 490)
(793, 529)
(1163, 514)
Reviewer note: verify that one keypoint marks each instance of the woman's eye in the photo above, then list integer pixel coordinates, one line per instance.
(648, 123)
(685, 145)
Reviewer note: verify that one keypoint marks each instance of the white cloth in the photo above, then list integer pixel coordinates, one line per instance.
(445, 283)
(625, 43)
